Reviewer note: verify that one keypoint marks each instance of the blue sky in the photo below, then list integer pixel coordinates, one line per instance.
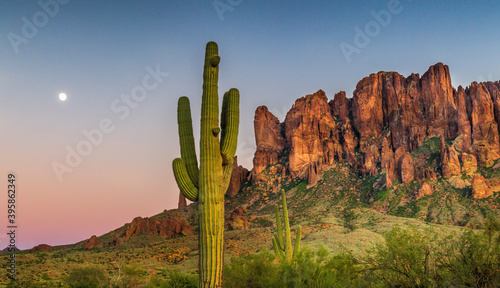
(272, 51)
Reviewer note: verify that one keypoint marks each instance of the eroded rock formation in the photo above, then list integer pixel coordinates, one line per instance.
(388, 117)
(91, 243)
(238, 176)
(167, 228)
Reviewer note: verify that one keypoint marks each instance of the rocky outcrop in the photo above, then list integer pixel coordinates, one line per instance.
(182, 201)
(340, 106)
(166, 228)
(238, 176)
(91, 243)
(313, 175)
(425, 189)
(237, 220)
(469, 164)
(485, 145)
(480, 187)
(388, 117)
(311, 134)
(269, 140)
(428, 174)
(42, 248)
(450, 165)
(406, 168)
(484, 188)
(388, 163)
(464, 139)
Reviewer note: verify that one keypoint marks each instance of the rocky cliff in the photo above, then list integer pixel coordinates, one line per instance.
(387, 118)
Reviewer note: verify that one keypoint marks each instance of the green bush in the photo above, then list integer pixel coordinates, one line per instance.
(410, 258)
(86, 277)
(175, 279)
(319, 270)
(181, 280)
(133, 276)
(406, 259)
(255, 270)
(309, 269)
(474, 261)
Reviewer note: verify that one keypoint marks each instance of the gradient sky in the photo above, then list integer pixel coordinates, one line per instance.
(273, 51)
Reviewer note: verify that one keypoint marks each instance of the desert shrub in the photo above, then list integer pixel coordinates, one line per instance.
(406, 259)
(181, 280)
(133, 276)
(175, 279)
(310, 269)
(255, 270)
(86, 277)
(319, 269)
(474, 260)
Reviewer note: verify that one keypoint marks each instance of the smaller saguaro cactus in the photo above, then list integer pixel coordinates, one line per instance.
(283, 246)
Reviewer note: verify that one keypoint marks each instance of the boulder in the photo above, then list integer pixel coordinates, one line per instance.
(480, 187)
(91, 243)
(406, 168)
(237, 220)
(469, 163)
(425, 189)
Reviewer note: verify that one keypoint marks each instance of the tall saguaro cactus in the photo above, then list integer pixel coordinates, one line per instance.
(208, 184)
(283, 247)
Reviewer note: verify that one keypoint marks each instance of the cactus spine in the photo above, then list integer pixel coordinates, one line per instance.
(208, 184)
(283, 247)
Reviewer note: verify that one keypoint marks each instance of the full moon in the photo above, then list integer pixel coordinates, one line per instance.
(63, 96)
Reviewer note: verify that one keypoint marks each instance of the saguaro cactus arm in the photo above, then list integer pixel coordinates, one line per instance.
(229, 124)
(283, 247)
(186, 139)
(183, 180)
(288, 237)
(278, 250)
(296, 247)
(279, 232)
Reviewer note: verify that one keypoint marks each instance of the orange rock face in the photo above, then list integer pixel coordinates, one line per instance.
(269, 140)
(311, 134)
(41, 248)
(450, 165)
(182, 201)
(480, 187)
(425, 189)
(406, 168)
(167, 228)
(238, 176)
(388, 117)
(485, 145)
(91, 243)
(469, 163)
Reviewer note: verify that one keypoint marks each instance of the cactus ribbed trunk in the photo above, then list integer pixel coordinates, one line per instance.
(208, 184)
(210, 200)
